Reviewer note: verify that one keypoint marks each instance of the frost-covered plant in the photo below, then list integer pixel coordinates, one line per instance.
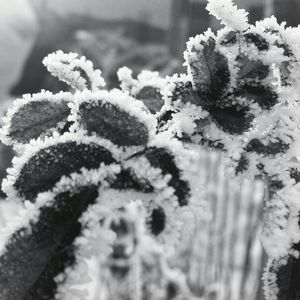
(84, 157)
(81, 158)
(241, 95)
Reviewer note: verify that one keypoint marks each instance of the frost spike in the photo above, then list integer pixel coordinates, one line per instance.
(228, 13)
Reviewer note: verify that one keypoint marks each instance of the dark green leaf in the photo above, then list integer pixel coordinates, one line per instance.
(47, 166)
(164, 160)
(36, 118)
(184, 92)
(233, 120)
(257, 40)
(271, 149)
(111, 122)
(127, 180)
(210, 72)
(265, 97)
(151, 97)
(229, 39)
(251, 69)
(35, 257)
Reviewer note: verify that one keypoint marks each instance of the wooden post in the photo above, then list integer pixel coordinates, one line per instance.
(228, 257)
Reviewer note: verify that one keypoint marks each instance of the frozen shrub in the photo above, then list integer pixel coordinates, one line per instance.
(111, 174)
(240, 95)
(81, 158)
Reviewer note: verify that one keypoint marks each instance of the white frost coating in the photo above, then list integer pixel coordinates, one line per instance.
(87, 178)
(71, 283)
(270, 286)
(94, 244)
(228, 14)
(145, 78)
(125, 76)
(183, 122)
(281, 228)
(19, 103)
(189, 162)
(117, 98)
(68, 68)
(171, 82)
(163, 197)
(36, 145)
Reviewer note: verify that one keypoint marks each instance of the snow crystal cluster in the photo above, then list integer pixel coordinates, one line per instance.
(113, 177)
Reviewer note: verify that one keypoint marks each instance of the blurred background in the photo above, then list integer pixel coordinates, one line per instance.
(112, 33)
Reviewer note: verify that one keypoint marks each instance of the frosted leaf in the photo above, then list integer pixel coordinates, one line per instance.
(256, 39)
(44, 169)
(36, 254)
(264, 96)
(77, 72)
(164, 119)
(251, 69)
(116, 117)
(180, 88)
(208, 68)
(162, 159)
(151, 97)
(127, 180)
(171, 190)
(232, 120)
(146, 88)
(107, 121)
(228, 14)
(228, 38)
(270, 149)
(35, 116)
